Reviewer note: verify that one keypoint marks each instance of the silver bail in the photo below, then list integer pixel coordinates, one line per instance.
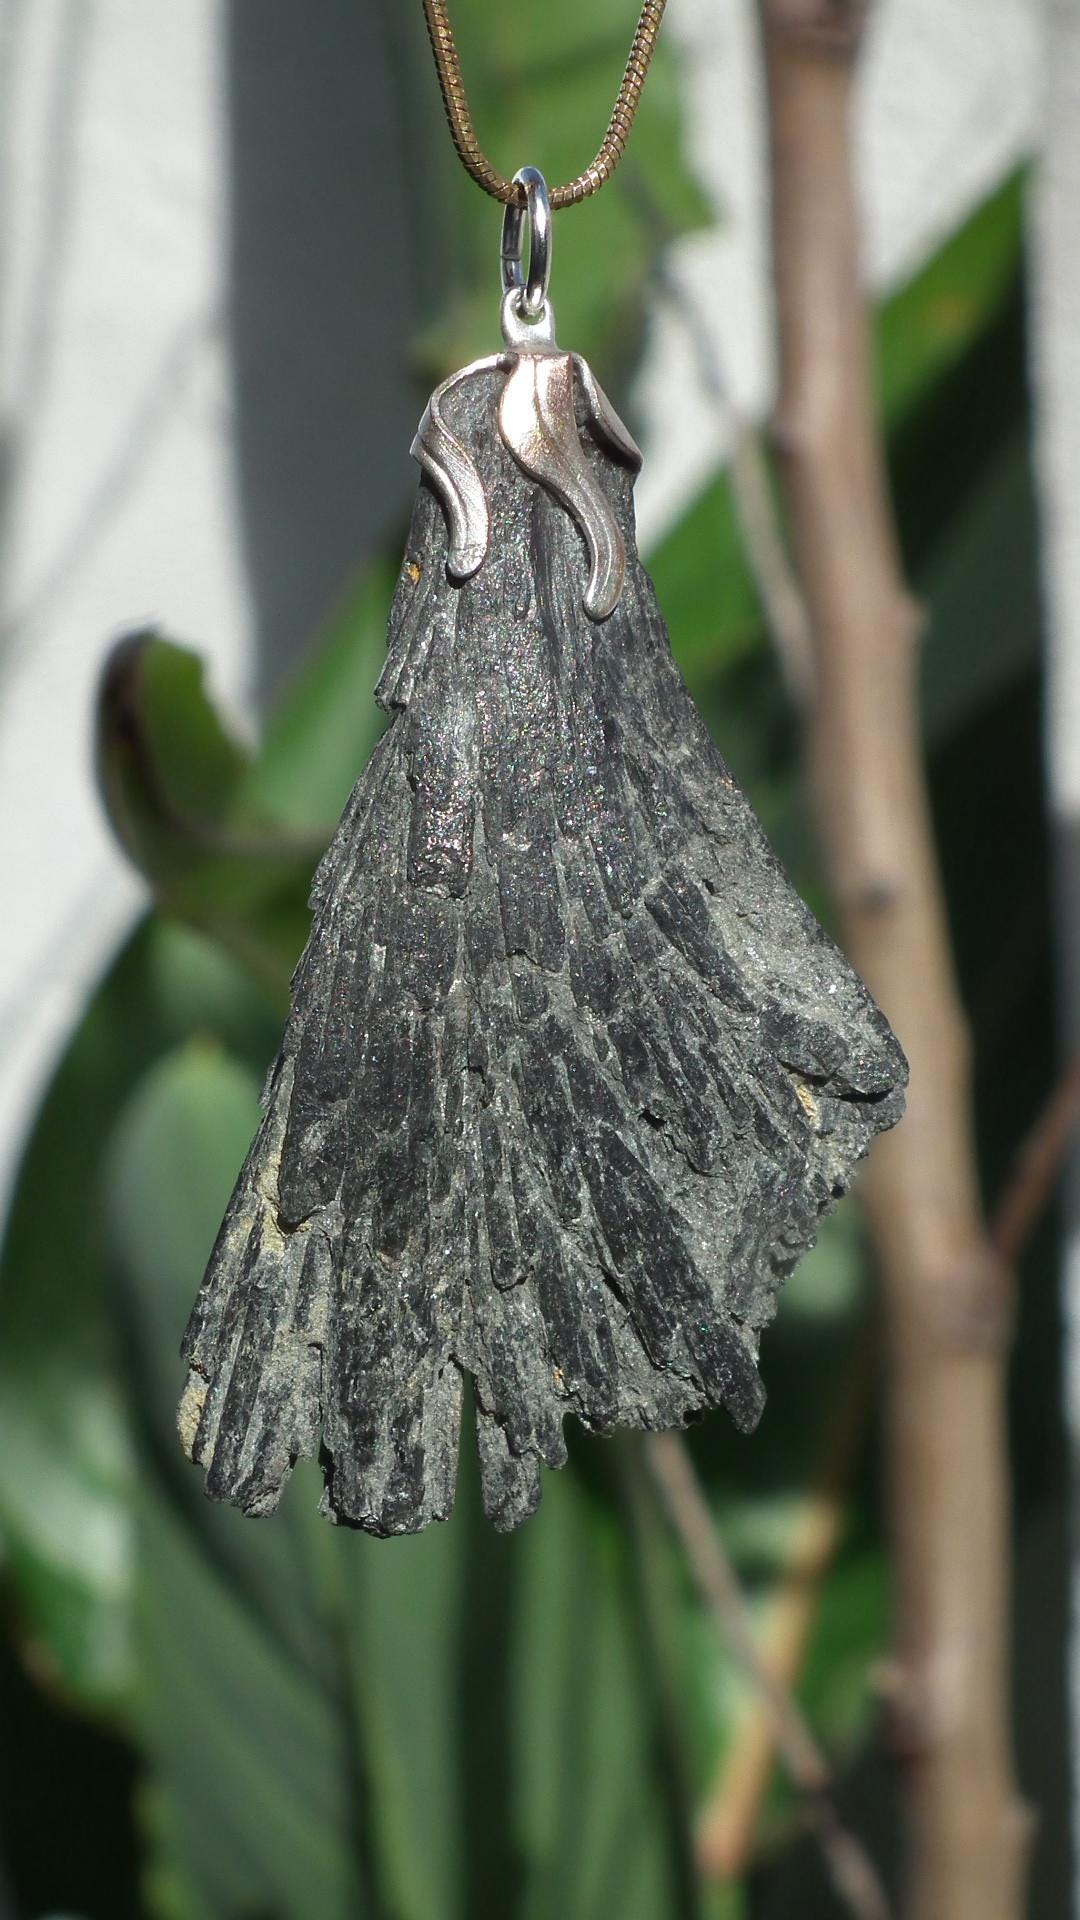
(532, 287)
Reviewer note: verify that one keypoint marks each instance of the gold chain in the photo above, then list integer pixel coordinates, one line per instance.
(471, 154)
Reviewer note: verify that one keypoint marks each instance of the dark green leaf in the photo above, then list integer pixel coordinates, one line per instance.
(65, 1464)
(172, 782)
(981, 593)
(169, 769)
(324, 729)
(926, 327)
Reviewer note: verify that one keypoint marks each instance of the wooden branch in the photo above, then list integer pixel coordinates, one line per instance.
(851, 1870)
(947, 1293)
(729, 1823)
(1038, 1166)
(1054, 326)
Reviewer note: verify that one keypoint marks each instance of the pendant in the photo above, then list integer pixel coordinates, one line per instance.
(571, 1073)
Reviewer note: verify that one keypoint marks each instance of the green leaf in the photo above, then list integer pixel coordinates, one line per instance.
(542, 83)
(177, 783)
(65, 1466)
(981, 592)
(173, 785)
(227, 840)
(164, 756)
(927, 326)
(168, 770)
(705, 587)
(324, 728)
(238, 1704)
(429, 1728)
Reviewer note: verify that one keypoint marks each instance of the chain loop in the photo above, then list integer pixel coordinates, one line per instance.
(463, 132)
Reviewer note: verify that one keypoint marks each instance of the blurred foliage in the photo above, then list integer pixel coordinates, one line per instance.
(541, 82)
(461, 1724)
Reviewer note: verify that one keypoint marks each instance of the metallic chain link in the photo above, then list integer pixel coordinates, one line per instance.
(471, 154)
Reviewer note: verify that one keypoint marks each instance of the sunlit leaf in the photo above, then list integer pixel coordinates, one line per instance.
(65, 1463)
(926, 327)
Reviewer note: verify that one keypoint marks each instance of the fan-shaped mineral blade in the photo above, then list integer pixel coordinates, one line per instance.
(571, 1073)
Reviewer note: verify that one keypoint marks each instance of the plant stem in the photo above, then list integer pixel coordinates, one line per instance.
(730, 1818)
(947, 1294)
(1038, 1165)
(850, 1868)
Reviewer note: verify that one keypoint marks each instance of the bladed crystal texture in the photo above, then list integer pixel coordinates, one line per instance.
(571, 1073)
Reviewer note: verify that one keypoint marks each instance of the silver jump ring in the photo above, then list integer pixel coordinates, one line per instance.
(538, 207)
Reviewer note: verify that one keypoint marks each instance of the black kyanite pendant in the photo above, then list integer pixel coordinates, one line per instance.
(571, 1073)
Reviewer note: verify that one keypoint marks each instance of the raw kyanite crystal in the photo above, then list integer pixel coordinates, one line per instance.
(571, 1072)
